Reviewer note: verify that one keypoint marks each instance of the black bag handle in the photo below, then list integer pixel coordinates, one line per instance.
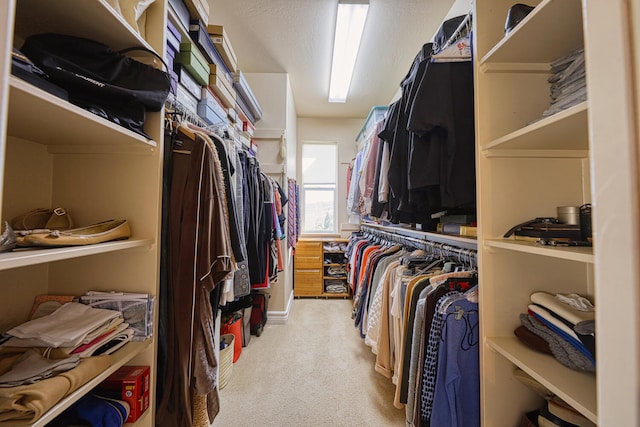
(144, 49)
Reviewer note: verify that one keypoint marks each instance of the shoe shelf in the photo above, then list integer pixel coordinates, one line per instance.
(58, 123)
(563, 134)
(548, 32)
(31, 256)
(576, 388)
(579, 254)
(121, 357)
(94, 19)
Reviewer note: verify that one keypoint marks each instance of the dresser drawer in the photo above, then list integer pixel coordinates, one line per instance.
(308, 261)
(308, 282)
(309, 248)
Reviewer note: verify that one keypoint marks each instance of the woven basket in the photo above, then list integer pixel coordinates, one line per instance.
(226, 361)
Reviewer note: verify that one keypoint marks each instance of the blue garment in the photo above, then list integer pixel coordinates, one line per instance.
(568, 338)
(432, 354)
(94, 410)
(456, 399)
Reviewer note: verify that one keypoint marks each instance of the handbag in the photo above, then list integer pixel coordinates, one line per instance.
(25, 69)
(99, 79)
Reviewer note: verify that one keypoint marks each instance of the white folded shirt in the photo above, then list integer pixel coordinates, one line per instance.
(550, 302)
(65, 327)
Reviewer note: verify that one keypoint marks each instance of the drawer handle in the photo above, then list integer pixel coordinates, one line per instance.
(307, 271)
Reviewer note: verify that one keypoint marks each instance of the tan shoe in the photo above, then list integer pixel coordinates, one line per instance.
(97, 233)
(39, 219)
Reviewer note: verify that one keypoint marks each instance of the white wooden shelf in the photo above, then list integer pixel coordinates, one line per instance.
(574, 387)
(57, 122)
(121, 357)
(580, 254)
(563, 131)
(25, 257)
(551, 30)
(94, 20)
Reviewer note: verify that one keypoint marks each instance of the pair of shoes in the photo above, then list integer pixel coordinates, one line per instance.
(43, 219)
(96, 233)
(7, 238)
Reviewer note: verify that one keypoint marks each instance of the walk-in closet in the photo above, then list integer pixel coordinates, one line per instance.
(319, 213)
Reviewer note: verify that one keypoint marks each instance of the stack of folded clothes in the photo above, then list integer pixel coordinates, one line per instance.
(568, 82)
(561, 325)
(553, 412)
(335, 287)
(47, 358)
(74, 329)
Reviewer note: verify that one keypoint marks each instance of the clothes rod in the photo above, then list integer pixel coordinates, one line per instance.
(456, 241)
(465, 255)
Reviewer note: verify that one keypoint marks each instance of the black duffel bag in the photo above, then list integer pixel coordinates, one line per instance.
(99, 79)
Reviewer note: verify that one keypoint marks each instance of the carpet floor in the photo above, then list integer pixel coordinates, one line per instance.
(313, 371)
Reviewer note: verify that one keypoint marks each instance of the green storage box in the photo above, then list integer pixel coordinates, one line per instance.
(191, 58)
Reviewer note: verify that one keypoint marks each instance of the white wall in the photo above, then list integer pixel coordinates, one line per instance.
(273, 92)
(270, 89)
(342, 131)
(291, 133)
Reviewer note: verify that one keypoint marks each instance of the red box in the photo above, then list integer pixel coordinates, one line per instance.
(131, 384)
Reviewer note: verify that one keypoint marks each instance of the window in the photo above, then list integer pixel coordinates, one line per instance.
(319, 176)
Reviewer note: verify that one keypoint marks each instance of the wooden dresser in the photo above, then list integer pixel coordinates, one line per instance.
(320, 268)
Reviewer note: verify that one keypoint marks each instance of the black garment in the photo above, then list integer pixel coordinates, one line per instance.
(412, 79)
(161, 365)
(444, 107)
(239, 252)
(269, 262)
(446, 30)
(399, 165)
(256, 249)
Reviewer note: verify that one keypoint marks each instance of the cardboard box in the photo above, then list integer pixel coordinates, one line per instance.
(219, 87)
(213, 102)
(210, 116)
(189, 82)
(249, 128)
(220, 70)
(193, 61)
(131, 384)
(173, 41)
(181, 11)
(223, 45)
(245, 92)
(241, 106)
(187, 100)
(198, 9)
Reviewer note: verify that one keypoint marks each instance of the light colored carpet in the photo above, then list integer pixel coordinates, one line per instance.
(313, 371)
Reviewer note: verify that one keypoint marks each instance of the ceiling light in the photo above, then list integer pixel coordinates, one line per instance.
(349, 25)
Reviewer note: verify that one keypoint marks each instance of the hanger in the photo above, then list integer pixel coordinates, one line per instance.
(458, 46)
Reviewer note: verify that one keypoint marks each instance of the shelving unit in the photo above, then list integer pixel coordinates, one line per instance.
(337, 260)
(311, 271)
(56, 154)
(527, 166)
(121, 358)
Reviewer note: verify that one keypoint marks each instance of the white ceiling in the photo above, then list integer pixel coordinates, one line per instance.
(296, 37)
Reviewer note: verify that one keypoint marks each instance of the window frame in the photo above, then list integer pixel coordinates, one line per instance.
(322, 186)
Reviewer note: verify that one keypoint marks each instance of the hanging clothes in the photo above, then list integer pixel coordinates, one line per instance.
(425, 158)
(200, 257)
(292, 230)
(396, 294)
